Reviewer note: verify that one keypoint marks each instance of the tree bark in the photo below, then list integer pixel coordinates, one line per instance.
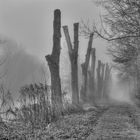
(85, 69)
(102, 79)
(93, 61)
(73, 55)
(107, 80)
(53, 62)
(98, 91)
(91, 76)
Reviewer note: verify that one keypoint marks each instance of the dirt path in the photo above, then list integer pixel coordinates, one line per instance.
(75, 126)
(119, 122)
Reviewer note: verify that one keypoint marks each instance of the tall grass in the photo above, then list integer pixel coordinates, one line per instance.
(35, 108)
(35, 111)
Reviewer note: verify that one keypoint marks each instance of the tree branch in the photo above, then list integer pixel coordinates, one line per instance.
(67, 36)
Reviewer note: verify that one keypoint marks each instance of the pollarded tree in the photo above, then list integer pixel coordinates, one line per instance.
(91, 76)
(73, 55)
(85, 67)
(53, 62)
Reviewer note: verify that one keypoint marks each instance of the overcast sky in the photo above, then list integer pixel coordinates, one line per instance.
(30, 22)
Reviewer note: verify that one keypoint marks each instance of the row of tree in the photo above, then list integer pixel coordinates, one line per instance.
(94, 83)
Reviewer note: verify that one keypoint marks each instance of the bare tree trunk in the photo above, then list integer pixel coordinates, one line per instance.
(73, 54)
(102, 79)
(107, 79)
(85, 69)
(53, 62)
(91, 76)
(98, 90)
(93, 54)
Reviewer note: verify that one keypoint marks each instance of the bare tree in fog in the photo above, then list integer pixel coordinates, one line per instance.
(91, 76)
(53, 62)
(85, 67)
(6, 98)
(73, 55)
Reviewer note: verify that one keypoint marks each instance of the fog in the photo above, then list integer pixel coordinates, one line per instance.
(121, 89)
(20, 66)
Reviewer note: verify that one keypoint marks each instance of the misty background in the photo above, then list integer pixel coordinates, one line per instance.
(26, 37)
